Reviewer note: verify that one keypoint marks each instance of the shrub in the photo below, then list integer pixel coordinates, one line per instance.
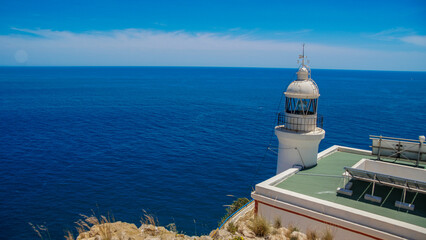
(172, 227)
(311, 235)
(328, 235)
(232, 228)
(237, 204)
(277, 222)
(259, 226)
(238, 238)
(290, 230)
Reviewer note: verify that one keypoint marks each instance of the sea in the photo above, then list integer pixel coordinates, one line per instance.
(180, 143)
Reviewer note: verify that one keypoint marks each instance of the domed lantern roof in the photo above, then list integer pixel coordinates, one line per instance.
(306, 89)
(303, 87)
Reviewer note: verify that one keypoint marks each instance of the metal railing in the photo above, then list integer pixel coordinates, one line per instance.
(399, 148)
(304, 124)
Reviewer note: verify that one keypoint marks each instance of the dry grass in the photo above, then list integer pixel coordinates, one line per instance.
(311, 235)
(290, 230)
(232, 228)
(235, 206)
(259, 226)
(104, 224)
(82, 225)
(69, 235)
(149, 219)
(277, 222)
(41, 230)
(327, 235)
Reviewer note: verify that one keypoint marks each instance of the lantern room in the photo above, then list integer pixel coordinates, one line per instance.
(301, 103)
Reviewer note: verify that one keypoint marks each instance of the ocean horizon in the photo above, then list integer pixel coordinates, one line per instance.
(147, 66)
(174, 141)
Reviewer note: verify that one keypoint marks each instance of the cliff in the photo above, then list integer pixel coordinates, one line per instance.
(246, 227)
(129, 231)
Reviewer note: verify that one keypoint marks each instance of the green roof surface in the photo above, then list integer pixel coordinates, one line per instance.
(322, 181)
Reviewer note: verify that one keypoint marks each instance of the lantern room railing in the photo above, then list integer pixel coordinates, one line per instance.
(300, 123)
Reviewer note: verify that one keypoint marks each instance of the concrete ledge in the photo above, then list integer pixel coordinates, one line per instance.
(241, 213)
(354, 150)
(280, 177)
(343, 229)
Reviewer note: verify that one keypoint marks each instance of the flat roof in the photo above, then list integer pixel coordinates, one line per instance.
(322, 181)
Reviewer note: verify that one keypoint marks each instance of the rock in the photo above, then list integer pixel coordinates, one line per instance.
(278, 234)
(205, 238)
(223, 234)
(248, 233)
(298, 235)
(113, 231)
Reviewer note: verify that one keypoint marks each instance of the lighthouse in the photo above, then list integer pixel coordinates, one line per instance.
(299, 129)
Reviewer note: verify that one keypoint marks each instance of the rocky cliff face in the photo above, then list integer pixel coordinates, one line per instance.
(128, 231)
(245, 228)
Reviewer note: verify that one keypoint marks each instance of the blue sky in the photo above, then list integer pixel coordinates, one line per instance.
(373, 35)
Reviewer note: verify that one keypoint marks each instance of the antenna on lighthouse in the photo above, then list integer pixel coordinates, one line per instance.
(303, 55)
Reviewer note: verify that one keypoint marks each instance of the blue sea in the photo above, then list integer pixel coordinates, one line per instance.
(172, 141)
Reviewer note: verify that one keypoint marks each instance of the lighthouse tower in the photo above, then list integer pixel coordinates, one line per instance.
(299, 129)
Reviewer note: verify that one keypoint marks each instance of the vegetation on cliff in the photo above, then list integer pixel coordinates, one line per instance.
(247, 226)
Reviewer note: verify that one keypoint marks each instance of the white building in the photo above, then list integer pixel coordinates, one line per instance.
(357, 194)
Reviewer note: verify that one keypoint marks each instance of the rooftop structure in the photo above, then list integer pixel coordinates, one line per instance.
(310, 199)
(358, 194)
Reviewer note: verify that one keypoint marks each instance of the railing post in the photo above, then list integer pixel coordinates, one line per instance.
(374, 184)
(419, 154)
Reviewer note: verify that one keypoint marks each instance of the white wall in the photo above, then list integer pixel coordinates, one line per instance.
(297, 148)
(310, 212)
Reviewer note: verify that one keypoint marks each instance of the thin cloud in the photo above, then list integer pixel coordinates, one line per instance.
(391, 34)
(416, 39)
(400, 34)
(141, 47)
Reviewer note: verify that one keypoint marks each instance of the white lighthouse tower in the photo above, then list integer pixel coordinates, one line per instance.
(297, 130)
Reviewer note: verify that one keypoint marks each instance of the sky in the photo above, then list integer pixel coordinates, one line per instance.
(364, 35)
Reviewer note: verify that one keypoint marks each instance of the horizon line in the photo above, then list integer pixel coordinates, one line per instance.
(141, 66)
